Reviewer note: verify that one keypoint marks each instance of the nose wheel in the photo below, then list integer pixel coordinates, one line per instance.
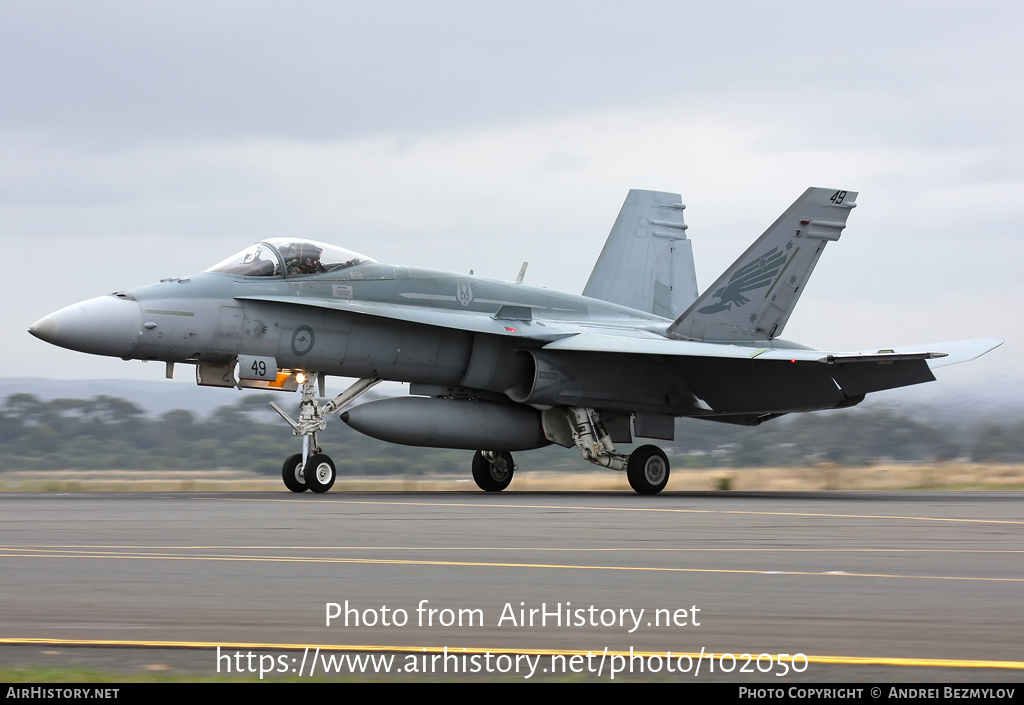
(316, 474)
(292, 474)
(319, 473)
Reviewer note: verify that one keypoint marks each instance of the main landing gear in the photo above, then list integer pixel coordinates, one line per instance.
(312, 469)
(647, 467)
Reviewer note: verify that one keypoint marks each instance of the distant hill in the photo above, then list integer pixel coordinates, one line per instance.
(155, 397)
(66, 426)
(949, 401)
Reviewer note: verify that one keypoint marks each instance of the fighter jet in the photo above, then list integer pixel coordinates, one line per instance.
(497, 366)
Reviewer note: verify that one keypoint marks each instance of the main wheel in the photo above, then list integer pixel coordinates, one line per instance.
(319, 473)
(647, 470)
(493, 477)
(292, 475)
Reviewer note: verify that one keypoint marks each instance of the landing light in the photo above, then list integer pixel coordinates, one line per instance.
(300, 377)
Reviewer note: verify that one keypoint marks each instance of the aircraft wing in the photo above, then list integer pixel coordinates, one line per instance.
(749, 384)
(937, 354)
(955, 351)
(627, 340)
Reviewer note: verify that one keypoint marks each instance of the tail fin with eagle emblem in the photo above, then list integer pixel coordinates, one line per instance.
(754, 298)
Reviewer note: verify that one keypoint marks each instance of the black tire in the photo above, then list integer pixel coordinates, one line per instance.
(320, 473)
(292, 475)
(647, 470)
(489, 477)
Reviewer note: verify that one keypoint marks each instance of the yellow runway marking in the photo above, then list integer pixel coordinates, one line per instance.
(101, 555)
(818, 515)
(834, 660)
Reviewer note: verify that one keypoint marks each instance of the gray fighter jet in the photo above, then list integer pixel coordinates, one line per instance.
(498, 366)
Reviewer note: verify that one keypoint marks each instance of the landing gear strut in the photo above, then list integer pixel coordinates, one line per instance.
(312, 469)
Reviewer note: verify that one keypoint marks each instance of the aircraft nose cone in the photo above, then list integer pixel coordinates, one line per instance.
(45, 329)
(105, 325)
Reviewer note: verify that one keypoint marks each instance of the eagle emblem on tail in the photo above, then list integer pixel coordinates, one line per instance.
(750, 277)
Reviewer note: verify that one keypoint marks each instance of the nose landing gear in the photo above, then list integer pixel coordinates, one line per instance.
(312, 469)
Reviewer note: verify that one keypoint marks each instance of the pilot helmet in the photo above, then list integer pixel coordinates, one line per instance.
(301, 257)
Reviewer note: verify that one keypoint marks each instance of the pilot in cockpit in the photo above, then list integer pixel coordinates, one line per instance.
(302, 258)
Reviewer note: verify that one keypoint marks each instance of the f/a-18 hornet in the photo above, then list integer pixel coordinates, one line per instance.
(497, 366)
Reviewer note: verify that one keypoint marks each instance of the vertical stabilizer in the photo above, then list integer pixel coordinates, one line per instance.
(647, 262)
(754, 298)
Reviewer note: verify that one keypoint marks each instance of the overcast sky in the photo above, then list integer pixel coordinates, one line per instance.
(146, 140)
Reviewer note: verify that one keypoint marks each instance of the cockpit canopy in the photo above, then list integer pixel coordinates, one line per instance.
(290, 257)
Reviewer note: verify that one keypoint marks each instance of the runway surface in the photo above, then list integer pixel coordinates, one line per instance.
(907, 586)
